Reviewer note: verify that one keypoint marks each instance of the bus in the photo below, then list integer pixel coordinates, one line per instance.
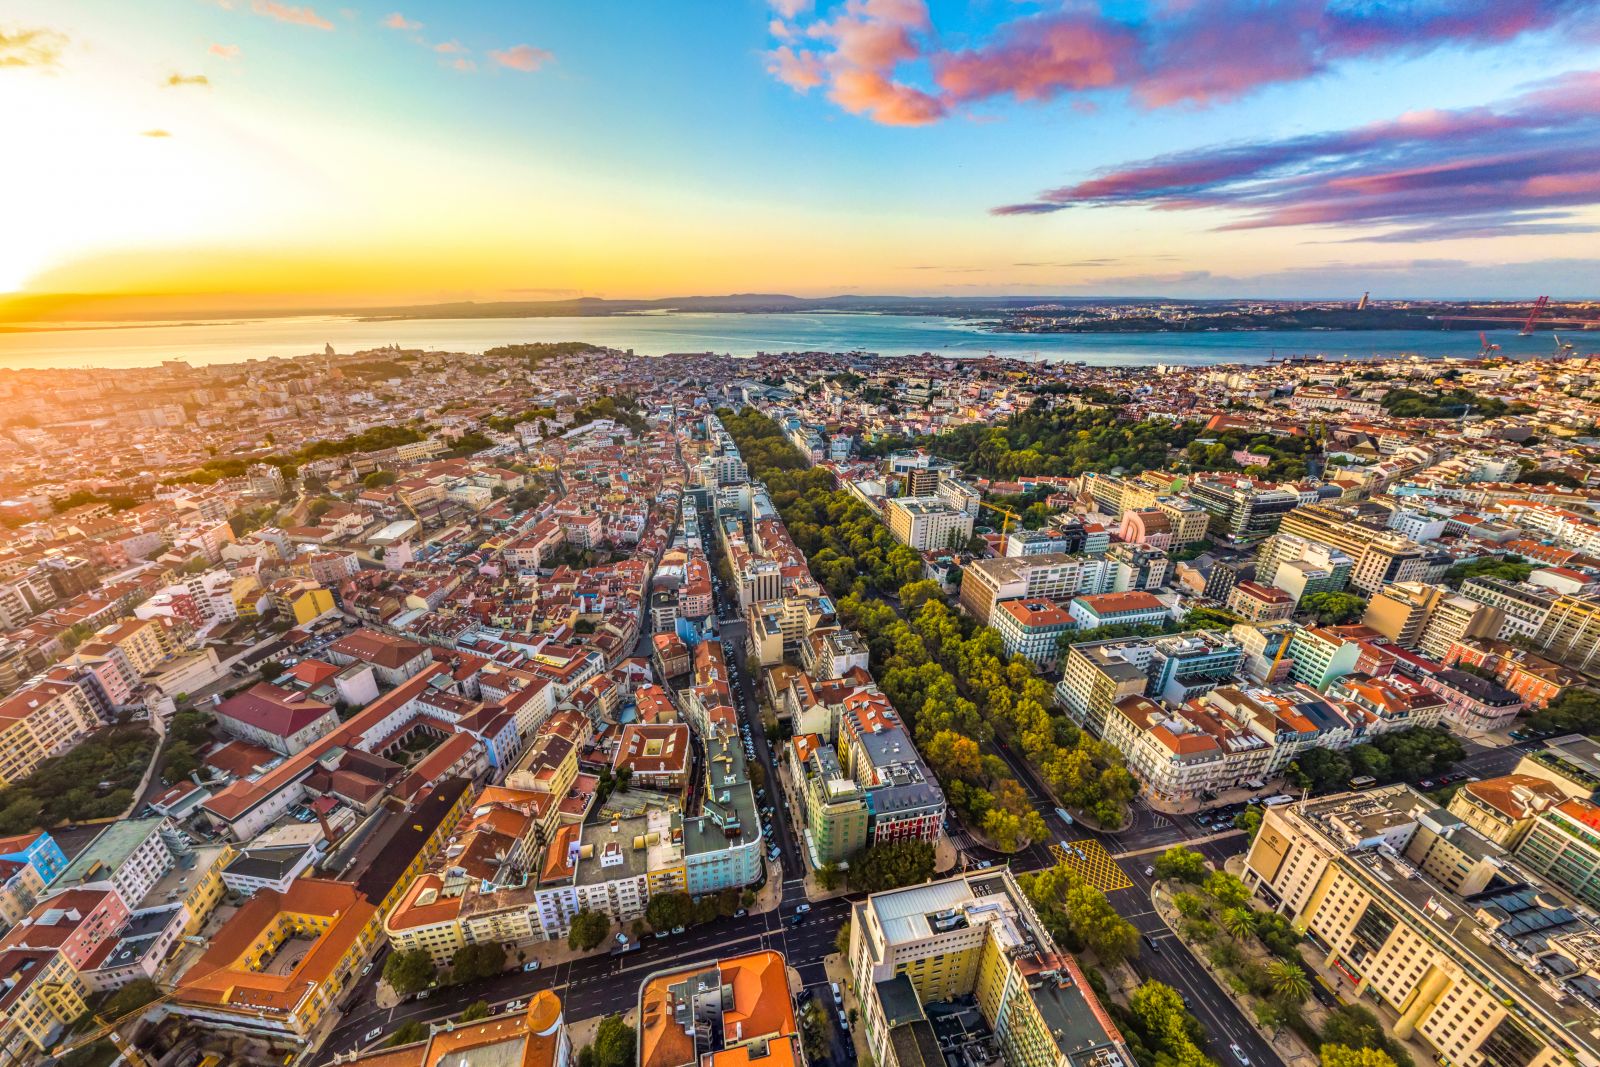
(1275, 801)
(1363, 781)
(1061, 813)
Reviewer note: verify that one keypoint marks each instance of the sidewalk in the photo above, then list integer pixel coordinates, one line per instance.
(834, 966)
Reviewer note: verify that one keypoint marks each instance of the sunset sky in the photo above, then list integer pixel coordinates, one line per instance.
(256, 153)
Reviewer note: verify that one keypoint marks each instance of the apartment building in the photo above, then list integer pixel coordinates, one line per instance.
(1429, 617)
(1411, 906)
(39, 721)
(1523, 608)
(875, 749)
(1135, 608)
(1241, 508)
(1171, 670)
(1563, 845)
(535, 1036)
(926, 523)
(974, 935)
(1255, 602)
(1570, 634)
(1032, 628)
(837, 814)
(1474, 705)
(1503, 809)
(1047, 576)
(732, 1012)
(1324, 653)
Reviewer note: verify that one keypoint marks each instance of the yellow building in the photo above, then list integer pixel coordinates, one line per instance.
(534, 1037)
(42, 994)
(973, 935)
(38, 722)
(281, 961)
(300, 600)
(1411, 906)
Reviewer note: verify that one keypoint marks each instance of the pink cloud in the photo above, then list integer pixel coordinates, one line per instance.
(450, 48)
(522, 57)
(801, 71)
(1178, 52)
(397, 21)
(299, 16)
(1040, 58)
(225, 51)
(466, 65)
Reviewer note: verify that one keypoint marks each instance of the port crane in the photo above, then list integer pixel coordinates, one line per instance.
(1488, 345)
(1563, 348)
(1533, 318)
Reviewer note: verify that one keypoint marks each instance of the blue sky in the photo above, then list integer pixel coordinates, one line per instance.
(288, 151)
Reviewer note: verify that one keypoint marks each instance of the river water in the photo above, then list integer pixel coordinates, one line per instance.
(145, 344)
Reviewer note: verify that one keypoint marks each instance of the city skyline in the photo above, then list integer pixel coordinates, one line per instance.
(240, 154)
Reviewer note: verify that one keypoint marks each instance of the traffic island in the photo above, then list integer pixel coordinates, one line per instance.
(1284, 1041)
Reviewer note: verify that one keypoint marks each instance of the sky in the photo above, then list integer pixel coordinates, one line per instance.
(236, 154)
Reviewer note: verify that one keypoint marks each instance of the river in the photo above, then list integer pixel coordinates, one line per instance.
(234, 341)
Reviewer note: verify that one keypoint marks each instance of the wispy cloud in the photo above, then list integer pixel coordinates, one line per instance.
(31, 48)
(523, 57)
(225, 51)
(175, 81)
(1518, 168)
(885, 59)
(299, 16)
(450, 48)
(397, 21)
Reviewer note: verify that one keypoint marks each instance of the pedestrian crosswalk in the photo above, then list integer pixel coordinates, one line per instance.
(1090, 860)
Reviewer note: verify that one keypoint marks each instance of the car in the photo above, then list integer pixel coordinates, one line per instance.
(844, 1021)
(984, 865)
(1149, 872)
(837, 994)
(1427, 783)
(1148, 940)
(622, 939)
(795, 920)
(677, 929)
(424, 994)
(515, 1005)
(801, 909)
(1238, 1054)
(366, 970)
(741, 913)
(531, 965)
(662, 935)
(373, 1034)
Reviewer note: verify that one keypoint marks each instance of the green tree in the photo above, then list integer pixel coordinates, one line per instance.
(1576, 710)
(891, 864)
(668, 910)
(472, 962)
(1345, 1056)
(613, 1046)
(1239, 922)
(1226, 890)
(841, 940)
(130, 998)
(409, 1033)
(478, 1009)
(409, 971)
(915, 594)
(1332, 609)
(378, 479)
(589, 928)
(1249, 820)
(1355, 1026)
(1183, 864)
(1079, 914)
(1290, 983)
(828, 875)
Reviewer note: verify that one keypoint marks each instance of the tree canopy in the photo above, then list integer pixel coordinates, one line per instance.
(1332, 609)
(890, 865)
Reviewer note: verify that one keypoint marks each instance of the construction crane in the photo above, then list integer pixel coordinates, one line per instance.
(1488, 346)
(1005, 524)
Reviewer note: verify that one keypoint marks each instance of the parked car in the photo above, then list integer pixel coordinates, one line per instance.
(515, 1005)
(801, 909)
(741, 913)
(1238, 1054)
(373, 1034)
(531, 965)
